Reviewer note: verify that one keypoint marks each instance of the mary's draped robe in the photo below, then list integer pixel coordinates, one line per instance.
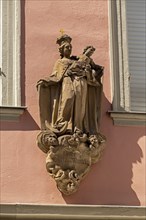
(68, 103)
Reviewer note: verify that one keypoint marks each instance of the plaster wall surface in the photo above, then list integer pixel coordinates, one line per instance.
(118, 179)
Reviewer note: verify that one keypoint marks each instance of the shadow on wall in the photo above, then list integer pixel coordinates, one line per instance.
(110, 181)
(26, 123)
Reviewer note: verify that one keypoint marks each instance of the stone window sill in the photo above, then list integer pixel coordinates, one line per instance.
(128, 118)
(11, 113)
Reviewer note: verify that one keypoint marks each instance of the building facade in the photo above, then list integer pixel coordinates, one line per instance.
(116, 28)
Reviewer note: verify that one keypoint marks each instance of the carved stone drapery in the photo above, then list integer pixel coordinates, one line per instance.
(70, 101)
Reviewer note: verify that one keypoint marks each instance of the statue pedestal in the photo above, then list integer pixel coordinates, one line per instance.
(69, 157)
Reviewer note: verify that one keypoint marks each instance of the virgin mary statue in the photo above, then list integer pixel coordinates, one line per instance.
(70, 98)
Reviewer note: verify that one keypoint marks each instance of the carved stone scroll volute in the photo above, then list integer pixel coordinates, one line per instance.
(70, 101)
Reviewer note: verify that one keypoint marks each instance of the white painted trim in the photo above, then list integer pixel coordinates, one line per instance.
(119, 67)
(0, 52)
(125, 58)
(114, 54)
(119, 55)
(16, 54)
(11, 21)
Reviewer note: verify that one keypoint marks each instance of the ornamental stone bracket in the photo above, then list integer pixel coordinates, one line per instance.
(69, 157)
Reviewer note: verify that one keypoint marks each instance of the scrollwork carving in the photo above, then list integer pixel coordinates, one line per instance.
(69, 157)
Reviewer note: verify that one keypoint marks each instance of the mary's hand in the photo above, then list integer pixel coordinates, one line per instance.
(70, 73)
(42, 82)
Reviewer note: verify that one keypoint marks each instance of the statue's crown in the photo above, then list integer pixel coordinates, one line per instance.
(63, 39)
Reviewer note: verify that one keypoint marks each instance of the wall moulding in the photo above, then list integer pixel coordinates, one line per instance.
(72, 212)
(11, 113)
(128, 118)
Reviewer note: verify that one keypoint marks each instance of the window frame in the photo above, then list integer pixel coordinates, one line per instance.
(119, 67)
(11, 108)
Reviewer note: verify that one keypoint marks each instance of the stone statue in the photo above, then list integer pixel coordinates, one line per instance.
(70, 103)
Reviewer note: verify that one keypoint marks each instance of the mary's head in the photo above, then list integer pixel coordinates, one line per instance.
(65, 47)
(65, 50)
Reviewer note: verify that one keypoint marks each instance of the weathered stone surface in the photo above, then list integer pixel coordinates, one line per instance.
(70, 103)
(69, 157)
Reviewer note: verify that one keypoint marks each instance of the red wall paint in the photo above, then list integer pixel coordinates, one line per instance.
(118, 178)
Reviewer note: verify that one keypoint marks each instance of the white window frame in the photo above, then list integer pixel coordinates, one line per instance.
(10, 106)
(119, 66)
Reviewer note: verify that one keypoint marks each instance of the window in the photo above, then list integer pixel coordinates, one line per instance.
(10, 94)
(127, 53)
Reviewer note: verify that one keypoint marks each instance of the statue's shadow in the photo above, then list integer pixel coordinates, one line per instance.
(110, 181)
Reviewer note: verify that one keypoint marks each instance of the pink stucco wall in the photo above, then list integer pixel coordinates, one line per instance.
(118, 179)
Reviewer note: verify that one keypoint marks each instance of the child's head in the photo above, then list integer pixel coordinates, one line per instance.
(89, 50)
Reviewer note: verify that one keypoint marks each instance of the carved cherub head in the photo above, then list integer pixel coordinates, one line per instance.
(46, 140)
(94, 141)
(51, 139)
(97, 140)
